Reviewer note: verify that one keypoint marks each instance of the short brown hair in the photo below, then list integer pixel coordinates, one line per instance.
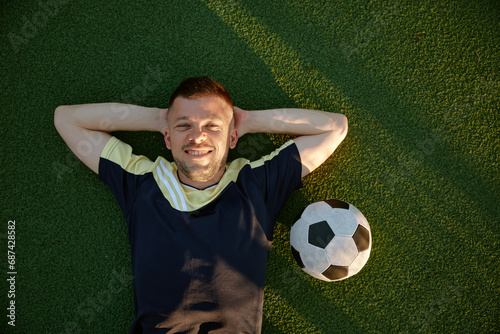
(198, 87)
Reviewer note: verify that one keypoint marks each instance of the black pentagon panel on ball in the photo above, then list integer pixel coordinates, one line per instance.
(320, 234)
(296, 256)
(361, 238)
(337, 204)
(336, 272)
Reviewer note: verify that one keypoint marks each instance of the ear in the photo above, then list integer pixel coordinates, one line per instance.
(233, 138)
(166, 137)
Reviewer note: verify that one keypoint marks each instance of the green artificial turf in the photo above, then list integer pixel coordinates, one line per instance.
(419, 82)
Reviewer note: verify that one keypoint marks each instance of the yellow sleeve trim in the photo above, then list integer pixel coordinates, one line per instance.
(109, 147)
(121, 153)
(260, 162)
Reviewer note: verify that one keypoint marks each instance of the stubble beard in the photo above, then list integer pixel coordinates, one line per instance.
(202, 173)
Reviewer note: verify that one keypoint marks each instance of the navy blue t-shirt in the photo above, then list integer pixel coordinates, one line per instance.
(199, 256)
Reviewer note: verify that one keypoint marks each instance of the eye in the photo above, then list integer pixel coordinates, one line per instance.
(182, 126)
(213, 127)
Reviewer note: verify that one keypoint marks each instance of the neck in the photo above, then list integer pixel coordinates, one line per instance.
(200, 185)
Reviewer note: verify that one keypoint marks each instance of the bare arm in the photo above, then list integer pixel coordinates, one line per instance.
(319, 133)
(85, 128)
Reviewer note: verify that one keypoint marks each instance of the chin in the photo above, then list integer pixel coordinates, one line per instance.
(201, 176)
(204, 174)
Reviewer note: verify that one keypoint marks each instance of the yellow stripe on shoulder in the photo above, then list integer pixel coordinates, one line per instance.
(121, 153)
(261, 161)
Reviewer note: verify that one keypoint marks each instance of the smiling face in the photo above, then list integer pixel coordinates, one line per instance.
(200, 133)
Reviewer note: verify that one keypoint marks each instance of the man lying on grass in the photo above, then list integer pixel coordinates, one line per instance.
(200, 230)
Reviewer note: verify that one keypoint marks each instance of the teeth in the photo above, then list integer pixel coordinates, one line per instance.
(197, 153)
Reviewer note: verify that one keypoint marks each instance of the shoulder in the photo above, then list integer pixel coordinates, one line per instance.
(287, 150)
(120, 153)
(280, 168)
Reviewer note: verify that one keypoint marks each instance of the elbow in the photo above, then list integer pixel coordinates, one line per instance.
(61, 117)
(58, 117)
(343, 126)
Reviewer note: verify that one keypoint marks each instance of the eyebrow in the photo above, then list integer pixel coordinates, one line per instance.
(210, 118)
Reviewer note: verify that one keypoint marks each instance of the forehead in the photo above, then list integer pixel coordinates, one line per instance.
(211, 107)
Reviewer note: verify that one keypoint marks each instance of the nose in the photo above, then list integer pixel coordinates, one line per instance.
(197, 135)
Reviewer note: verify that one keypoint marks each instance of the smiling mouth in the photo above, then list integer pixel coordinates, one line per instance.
(197, 153)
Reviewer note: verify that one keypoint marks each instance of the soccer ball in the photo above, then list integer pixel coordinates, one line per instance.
(331, 240)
